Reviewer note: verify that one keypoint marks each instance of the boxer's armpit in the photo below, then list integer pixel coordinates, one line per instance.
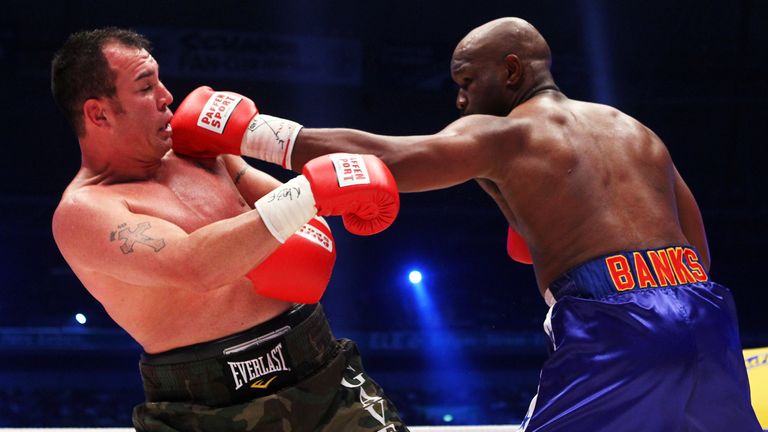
(129, 238)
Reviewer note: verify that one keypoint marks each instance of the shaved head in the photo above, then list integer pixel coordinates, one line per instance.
(499, 65)
(503, 36)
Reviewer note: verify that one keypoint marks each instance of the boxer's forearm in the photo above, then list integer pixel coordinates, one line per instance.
(312, 143)
(403, 155)
(224, 251)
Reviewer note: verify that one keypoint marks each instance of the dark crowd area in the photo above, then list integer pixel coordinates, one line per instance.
(693, 71)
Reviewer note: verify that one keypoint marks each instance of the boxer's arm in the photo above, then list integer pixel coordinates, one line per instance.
(462, 151)
(690, 218)
(97, 232)
(250, 182)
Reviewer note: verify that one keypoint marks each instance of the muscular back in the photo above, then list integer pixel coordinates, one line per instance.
(580, 180)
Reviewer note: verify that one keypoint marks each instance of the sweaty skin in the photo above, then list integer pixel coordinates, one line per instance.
(577, 180)
(163, 242)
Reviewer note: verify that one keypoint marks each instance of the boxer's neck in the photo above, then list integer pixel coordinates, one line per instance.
(119, 168)
(544, 87)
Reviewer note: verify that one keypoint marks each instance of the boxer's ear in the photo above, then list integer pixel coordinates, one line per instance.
(514, 69)
(94, 113)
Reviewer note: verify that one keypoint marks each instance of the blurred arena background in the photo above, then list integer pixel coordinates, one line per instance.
(463, 345)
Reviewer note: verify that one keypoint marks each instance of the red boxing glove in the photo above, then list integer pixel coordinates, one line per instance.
(299, 270)
(358, 187)
(517, 248)
(209, 123)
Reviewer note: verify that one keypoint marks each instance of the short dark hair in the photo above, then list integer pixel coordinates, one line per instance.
(80, 71)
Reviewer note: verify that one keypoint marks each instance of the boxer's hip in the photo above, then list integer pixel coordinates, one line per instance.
(648, 323)
(250, 364)
(630, 272)
(655, 303)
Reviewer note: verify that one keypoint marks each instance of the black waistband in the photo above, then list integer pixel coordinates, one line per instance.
(631, 271)
(228, 345)
(241, 367)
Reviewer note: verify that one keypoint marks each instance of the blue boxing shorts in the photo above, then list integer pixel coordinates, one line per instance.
(642, 341)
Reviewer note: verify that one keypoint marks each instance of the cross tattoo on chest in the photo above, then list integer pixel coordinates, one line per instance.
(131, 237)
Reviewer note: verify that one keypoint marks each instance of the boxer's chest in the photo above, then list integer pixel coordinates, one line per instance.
(190, 196)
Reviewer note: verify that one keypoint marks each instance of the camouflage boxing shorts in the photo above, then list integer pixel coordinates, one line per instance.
(288, 374)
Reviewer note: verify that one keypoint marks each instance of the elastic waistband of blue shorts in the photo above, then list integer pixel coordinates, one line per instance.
(630, 271)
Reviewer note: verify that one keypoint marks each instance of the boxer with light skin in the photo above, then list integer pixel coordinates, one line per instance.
(641, 338)
(203, 261)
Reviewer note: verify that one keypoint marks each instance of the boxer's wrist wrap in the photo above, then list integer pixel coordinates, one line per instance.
(270, 139)
(287, 207)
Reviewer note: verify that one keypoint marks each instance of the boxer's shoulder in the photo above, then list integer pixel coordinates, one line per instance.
(78, 205)
(493, 136)
(78, 197)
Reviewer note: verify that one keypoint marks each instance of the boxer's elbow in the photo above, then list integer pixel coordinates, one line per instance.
(198, 272)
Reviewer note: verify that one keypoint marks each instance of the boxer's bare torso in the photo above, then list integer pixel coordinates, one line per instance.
(580, 180)
(190, 194)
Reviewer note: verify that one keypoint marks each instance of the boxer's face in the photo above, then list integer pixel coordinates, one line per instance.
(139, 111)
(481, 85)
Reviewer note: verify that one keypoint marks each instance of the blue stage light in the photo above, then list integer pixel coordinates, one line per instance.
(80, 318)
(414, 276)
(447, 418)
